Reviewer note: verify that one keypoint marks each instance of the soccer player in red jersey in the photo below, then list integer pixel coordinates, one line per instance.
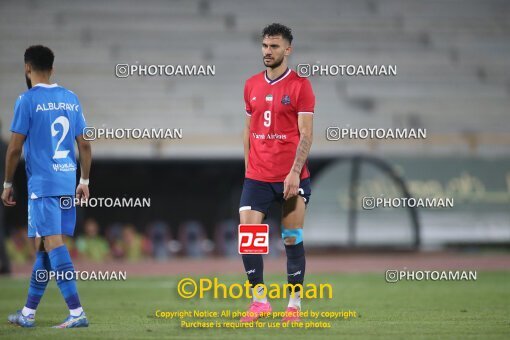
(277, 139)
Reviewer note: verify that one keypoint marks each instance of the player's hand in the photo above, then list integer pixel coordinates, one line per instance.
(82, 192)
(291, 185)
(8, 197)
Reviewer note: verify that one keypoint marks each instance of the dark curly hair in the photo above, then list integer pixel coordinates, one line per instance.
(278, 29)
(39, 57)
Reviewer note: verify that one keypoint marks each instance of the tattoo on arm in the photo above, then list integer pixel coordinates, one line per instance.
(303, 149)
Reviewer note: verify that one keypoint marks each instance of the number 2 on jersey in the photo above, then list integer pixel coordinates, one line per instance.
(65, 129)
(267, 118)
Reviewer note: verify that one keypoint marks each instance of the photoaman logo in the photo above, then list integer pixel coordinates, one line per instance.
(188, 288)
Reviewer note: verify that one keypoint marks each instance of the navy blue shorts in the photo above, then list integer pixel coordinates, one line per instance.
(258, 195)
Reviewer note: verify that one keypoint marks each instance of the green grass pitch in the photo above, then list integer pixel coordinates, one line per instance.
(126, 309)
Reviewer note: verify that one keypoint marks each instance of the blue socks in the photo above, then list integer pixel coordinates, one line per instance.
(61, 263)
(39, 279)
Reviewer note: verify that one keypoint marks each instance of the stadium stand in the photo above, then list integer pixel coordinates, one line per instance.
(453, 60)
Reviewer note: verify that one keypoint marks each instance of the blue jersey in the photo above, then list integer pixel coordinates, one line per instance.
(51, 118)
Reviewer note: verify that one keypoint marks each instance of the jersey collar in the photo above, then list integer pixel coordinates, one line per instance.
(46, 85)
(280, 78)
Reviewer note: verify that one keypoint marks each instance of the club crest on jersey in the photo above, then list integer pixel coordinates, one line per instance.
(269, 98)
(285, 100)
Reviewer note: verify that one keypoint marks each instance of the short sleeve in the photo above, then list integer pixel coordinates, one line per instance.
(80, 123)
(21, 121)
(247, 106)
(306, 99)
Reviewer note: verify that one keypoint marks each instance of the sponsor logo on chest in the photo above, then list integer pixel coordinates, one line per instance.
(286, 99)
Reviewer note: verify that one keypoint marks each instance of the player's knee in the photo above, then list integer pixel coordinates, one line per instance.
(292, 236)
(251, 217)
(288, 241)
(52, 242)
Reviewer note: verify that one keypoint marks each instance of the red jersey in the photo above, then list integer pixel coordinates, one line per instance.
(274, 106)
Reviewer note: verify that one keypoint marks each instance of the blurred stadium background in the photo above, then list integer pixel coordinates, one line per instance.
(453, 60)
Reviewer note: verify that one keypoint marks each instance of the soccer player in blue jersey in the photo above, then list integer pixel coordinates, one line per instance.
(47, 121)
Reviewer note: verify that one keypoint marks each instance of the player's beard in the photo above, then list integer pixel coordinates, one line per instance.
(29, 82)
(276, 63)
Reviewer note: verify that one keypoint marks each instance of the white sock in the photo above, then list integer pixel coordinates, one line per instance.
(76, 312)
(27, 311)
(260, 292)
(295, 301)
